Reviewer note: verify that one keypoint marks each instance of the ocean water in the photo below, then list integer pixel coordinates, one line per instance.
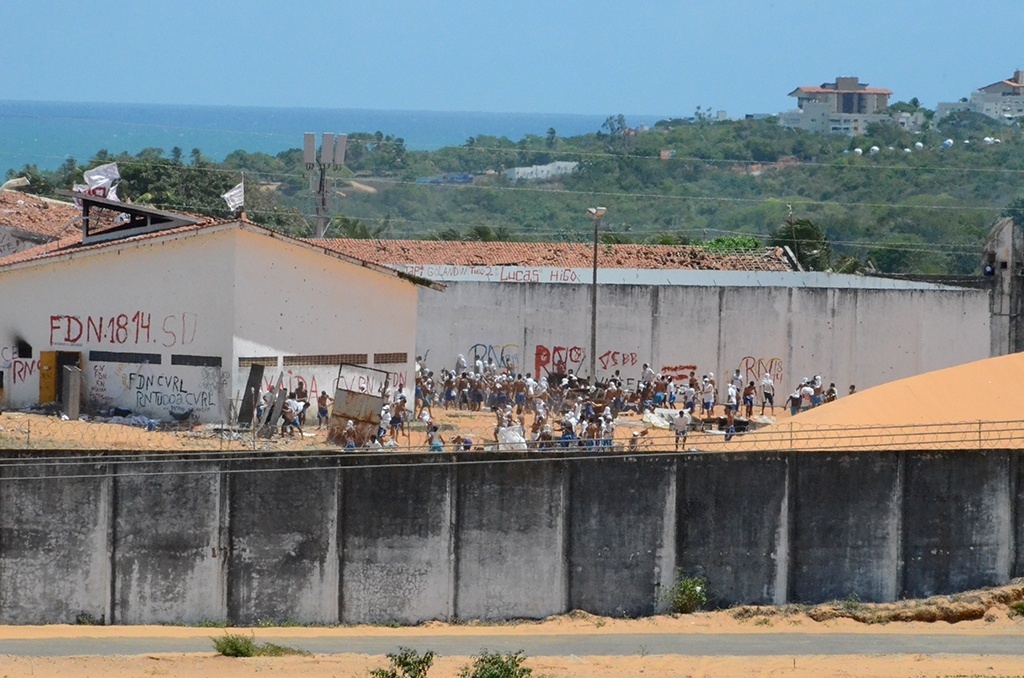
(47, 133)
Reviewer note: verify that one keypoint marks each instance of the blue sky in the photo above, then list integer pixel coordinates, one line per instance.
(553, 56)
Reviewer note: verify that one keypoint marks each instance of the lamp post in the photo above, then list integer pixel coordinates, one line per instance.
(595, 213)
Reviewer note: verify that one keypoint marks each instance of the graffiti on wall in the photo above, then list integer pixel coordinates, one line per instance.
(561, 359)
(753, 368)
(614, 359)
(558, 359)
(677, 372)
(134, 328)
(9, 244)
(327, 379)
(8, 354)
(170, 392)
(505, 356)
(24, 370)
(499, 274)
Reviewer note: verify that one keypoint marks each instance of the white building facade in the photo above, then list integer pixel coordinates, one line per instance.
(845, 106)
(168, 324)
(1002, 100)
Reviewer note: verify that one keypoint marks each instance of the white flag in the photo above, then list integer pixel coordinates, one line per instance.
(235, 198)
(102, 174)
(99, 181)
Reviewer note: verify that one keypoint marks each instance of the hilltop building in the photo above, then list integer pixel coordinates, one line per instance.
(1002, 100)
(846, 106)
(541, 172)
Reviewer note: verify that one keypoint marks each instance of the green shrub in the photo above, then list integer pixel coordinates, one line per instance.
(86, 619)
(237, 645)
(688, 594)
(496, 665)
(1017, 609)
(406, 663)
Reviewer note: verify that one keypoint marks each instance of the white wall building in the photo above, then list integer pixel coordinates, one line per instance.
(1002, 100)
(541, 172)
(845, 106)
(167, 322)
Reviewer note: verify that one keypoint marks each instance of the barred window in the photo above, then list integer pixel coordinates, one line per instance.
(266, 361)
(326, 359)
(390, 358)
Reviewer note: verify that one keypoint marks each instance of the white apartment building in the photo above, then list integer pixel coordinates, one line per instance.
(1002, 100)
(846, 106)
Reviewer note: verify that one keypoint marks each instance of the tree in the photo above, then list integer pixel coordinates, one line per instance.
(732, 243)
(1015, 210)
(345, 227)
(615, 124)
(807, 241)
(552, 138)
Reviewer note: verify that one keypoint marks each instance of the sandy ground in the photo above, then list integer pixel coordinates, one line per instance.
(640, 664)
(332, 666)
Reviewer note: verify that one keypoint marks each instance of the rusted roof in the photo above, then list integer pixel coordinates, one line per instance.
(553, 255)
(43, 217)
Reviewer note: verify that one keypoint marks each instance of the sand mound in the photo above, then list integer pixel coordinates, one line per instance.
(969, 406)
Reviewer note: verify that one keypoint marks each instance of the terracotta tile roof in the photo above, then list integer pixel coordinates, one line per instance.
(44, 217)
(553, 255)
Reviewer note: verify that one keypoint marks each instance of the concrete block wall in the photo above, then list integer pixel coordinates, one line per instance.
(361, 539)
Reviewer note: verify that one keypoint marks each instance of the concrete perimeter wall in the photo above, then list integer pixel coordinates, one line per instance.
(788, 331)
(363, 539)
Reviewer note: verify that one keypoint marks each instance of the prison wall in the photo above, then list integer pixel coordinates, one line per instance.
(788, 331)
(366, 539)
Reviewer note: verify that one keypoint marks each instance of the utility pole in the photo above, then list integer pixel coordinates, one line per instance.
(595, 213)
(332, 156)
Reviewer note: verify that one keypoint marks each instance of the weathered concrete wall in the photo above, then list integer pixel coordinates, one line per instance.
(171, 565)
(733, 519)
(397, 544)
(55, 543)
(622, 537)
(283, 562)
(786, 330)
(845, 527)
(377, 539)
(958, 523)
(510, 546)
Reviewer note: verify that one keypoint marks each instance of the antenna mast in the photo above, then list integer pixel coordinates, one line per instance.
(332, 156)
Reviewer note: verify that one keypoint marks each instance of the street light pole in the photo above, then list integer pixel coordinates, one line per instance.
(595, 213)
